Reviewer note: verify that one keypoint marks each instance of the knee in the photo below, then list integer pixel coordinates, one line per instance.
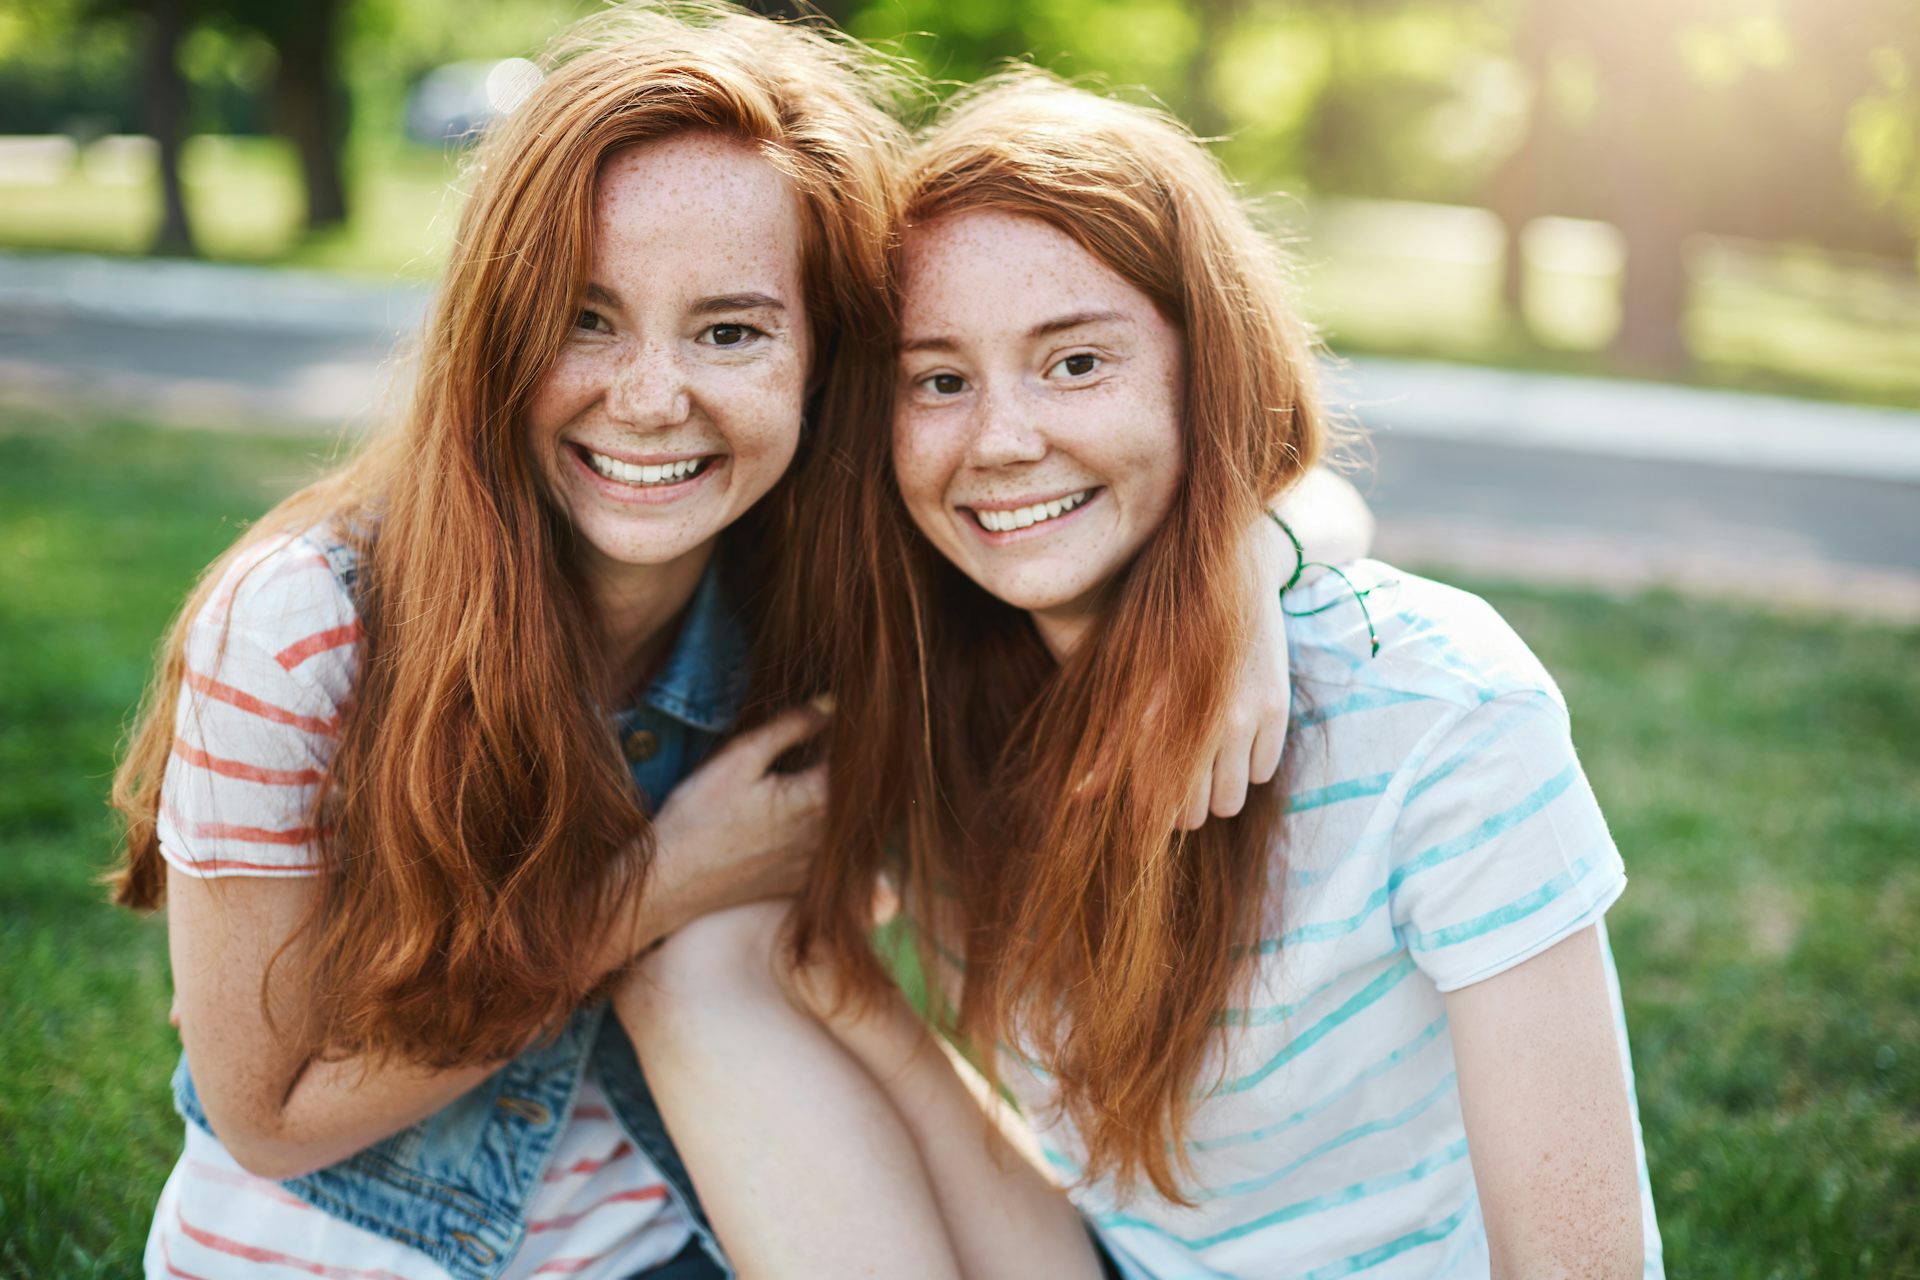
(724, 955)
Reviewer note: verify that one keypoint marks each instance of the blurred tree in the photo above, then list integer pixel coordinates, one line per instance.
(1134, 44)
(63, 73)
(1773, 119)
(388, 45)
(1215, 22)
(1792, 120)
(306, 90)
(165, 94)
(835, 11)
(309, 94)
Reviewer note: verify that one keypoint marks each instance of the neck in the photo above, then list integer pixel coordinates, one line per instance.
(1062, 627)
(636, 607)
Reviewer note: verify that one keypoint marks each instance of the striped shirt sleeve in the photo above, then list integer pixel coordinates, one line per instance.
(1500, 849)
(270, 661)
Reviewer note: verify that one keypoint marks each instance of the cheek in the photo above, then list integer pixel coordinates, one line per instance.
(560, 395)
(917, 467)
(768, 412)
(1168, 482)
(1151, 457)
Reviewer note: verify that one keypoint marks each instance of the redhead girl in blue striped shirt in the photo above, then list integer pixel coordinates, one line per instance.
(1368, 1026)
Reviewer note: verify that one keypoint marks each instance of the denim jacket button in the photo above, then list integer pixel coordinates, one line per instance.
(482, 1251)
(641, 745)
(526, 1108)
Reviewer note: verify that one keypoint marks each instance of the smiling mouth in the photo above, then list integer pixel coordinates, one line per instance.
(642, 475)
(1006, 521)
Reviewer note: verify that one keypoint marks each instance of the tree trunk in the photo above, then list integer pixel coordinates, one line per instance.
(1215, 21)
(1511, 194)
(1651, 194)
(308, 107)
(166, 111)
(1653, 295)
(1513, 273)
(1517, 190)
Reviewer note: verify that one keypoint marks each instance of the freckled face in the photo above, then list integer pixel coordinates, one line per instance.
(1037, 432)
(675, 404)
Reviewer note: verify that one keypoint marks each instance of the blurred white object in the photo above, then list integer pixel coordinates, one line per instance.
(458, 100)
(35, 160)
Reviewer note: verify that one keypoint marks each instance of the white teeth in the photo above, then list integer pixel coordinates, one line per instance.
(628, 473)
(1025, 517)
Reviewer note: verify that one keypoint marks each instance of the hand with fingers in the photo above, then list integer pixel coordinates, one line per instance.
(1253, 730)
(737, 830)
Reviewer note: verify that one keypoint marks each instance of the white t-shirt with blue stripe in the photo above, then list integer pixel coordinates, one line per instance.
(1442, 831)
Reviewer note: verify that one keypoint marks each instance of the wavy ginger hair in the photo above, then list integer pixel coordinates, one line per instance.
(480, 824)
(1038, 801)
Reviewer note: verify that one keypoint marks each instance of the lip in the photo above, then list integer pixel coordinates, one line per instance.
(1043, 529)
(1014, 504)
(652, 495)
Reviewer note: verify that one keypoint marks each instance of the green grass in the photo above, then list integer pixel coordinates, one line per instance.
(102, 529)
(1760, 778)
(243, 200)
(1774, 324)
(1759, 772)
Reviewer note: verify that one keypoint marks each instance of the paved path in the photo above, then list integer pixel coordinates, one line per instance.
(1608, 483)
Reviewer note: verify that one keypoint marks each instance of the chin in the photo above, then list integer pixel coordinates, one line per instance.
(1039, 597)
(655, 547)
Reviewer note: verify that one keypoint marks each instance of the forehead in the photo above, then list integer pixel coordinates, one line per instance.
(1000, 270)
(696, 204)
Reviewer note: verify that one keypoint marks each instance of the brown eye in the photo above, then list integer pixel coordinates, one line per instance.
(1079, 365)
(592, 321)
(947, 384)
(728, 335)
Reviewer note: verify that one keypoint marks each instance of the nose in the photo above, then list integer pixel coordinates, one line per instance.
(649, 389)
(1005, 433)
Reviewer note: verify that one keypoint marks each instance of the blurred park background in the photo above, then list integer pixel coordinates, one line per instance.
(1722, 190)
(1625, 292)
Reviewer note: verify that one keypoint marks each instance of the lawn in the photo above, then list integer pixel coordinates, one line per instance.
(1380, 277)
(244, 202)
(1760, 773)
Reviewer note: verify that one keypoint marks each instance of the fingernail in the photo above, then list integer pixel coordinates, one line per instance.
(822, 702)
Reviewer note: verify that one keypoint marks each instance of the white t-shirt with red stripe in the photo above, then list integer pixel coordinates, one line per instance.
(257, 723)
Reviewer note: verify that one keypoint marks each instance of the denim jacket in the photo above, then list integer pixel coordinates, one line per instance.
(457, 1185)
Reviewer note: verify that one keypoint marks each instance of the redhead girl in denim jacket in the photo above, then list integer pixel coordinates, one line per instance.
(437, 748)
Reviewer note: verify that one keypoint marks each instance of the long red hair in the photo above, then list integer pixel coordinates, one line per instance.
(1028, 808)
(481, 825)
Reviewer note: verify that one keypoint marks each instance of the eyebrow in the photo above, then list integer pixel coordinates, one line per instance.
(1074, 321)
(706, 306)
(1046, 328)
(738, 302)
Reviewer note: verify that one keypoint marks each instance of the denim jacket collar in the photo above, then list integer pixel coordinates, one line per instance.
(704, 680)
